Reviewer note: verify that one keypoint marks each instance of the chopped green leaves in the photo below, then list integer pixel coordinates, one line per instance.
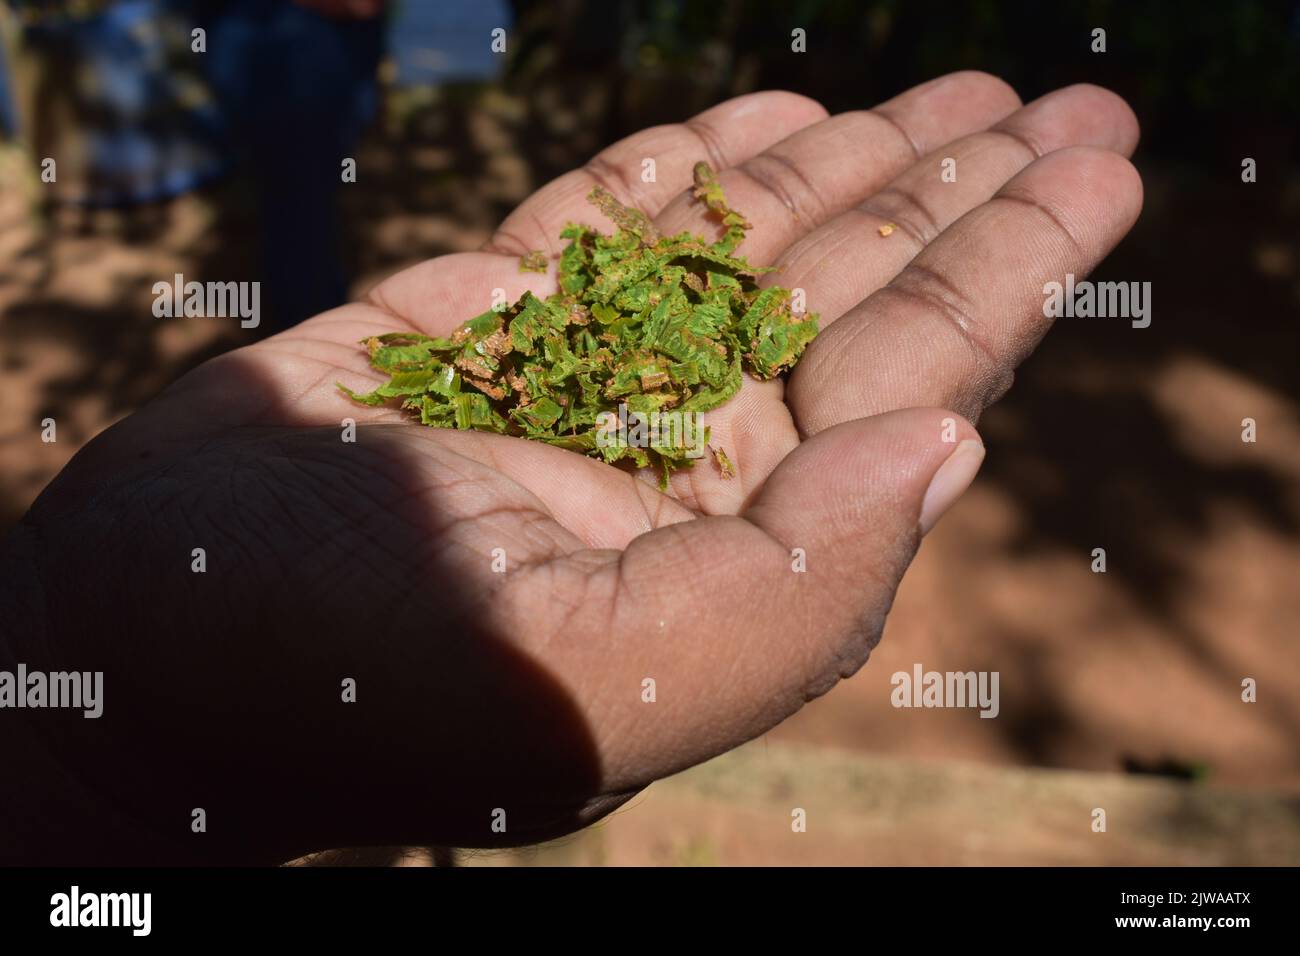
(664, 326)
(535, 261)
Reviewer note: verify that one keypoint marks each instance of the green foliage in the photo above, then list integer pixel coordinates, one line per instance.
(656, 323)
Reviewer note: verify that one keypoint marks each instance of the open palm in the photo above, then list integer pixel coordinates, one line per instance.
(535, 635)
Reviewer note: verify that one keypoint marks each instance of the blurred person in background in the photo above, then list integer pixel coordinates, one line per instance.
(137, 107)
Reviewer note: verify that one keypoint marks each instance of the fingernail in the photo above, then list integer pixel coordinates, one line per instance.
(953, 477)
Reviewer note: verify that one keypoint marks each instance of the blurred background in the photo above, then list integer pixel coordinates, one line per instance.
(1119, 690)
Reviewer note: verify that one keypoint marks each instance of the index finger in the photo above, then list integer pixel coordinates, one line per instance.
(724, 135)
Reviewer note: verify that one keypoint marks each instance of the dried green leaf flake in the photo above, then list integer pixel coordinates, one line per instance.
(534, 261)
(658, 324)
(725, 467)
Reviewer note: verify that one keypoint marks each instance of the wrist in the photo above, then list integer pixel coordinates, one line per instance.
(52, 816)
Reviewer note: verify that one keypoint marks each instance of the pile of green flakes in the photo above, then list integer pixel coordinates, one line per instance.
(656, 323)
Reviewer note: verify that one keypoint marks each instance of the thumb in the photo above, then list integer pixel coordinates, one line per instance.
(866, 491)
(856, 499)
(759, 614)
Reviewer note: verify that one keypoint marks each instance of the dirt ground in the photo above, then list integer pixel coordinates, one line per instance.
(743, 809)
(1127, 440)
